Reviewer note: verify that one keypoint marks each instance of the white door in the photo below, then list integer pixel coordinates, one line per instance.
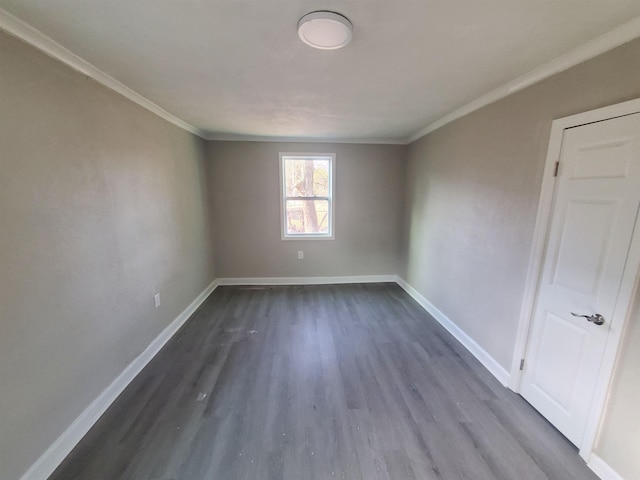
(592, 223)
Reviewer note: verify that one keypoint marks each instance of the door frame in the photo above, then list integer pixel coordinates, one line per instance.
(630, 279)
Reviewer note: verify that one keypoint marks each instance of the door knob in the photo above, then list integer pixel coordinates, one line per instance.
(596, 318)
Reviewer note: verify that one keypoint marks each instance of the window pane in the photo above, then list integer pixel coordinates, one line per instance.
(306, 177)
(307, 216)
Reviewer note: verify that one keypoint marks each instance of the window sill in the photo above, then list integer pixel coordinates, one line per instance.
(307, 237)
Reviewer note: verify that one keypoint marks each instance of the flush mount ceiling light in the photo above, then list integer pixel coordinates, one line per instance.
(325, 30)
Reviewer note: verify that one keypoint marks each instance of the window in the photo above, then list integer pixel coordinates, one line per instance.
(306, 193)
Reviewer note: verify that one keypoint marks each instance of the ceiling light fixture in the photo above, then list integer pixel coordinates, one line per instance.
(325, 30)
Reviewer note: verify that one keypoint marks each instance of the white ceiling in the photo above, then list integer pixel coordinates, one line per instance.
(237, 68)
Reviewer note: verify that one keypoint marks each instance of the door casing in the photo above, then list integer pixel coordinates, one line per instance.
(630, 278)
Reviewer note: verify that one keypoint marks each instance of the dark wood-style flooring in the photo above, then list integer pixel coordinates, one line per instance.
(318, 382)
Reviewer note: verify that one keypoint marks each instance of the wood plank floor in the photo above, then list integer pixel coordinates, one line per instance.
(318, 382)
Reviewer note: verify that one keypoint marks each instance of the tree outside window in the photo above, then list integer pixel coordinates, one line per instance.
(307, 196)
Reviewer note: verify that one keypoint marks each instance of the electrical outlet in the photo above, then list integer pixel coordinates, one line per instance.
(156, 299)
(300, 254)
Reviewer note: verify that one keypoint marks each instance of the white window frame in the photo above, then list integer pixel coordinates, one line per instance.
(330, 235)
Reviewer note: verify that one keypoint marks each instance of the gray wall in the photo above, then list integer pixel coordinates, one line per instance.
(246, 207)
(619, 441)
(473, 188)
(101, 205)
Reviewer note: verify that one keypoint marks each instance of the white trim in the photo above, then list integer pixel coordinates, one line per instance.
(331, 235)
(536, 257)
(626, 294)
(469, 343)
(544, 215)
(232, 137)
(616, 37)
(39, 40)
(308, 280)
(62, 446)
(602, 468)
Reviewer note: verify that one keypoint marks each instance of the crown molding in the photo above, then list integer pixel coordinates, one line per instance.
(25, 32)
(610, 40)
(34, 37)
(223, 137)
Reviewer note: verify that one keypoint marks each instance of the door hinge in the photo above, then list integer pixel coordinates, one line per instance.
(555, 172)
(522, 364)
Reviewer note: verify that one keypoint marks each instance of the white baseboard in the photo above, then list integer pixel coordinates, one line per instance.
(308, 280)
(487, 360)
(602, 468)
(483, 357)
(57, 452)
(63, 445)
